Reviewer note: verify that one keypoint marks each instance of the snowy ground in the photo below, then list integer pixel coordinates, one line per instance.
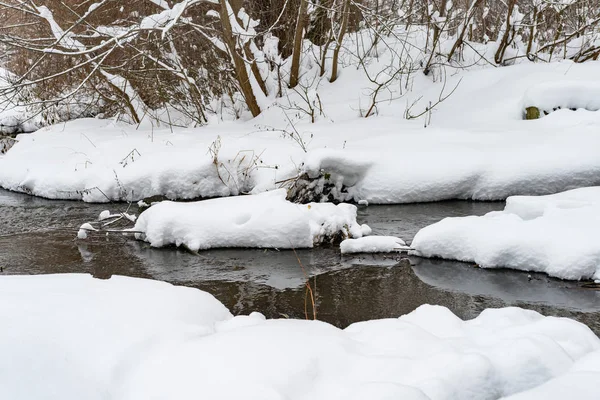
(74, 337)
(477, 146)
(556, 234)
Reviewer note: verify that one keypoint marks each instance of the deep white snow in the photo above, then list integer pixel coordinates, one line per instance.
(556, 234)
(265, 220)
(577, 383)
(72, 337)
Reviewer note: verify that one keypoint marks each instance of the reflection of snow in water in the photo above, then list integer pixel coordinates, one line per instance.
(278, 269)
(86, 254)
(509, 286)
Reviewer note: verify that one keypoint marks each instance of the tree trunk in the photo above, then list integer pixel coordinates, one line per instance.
(436, 29)
(532, 30)
(255, 70)
(504, 42)
(461, 35)
(241, 72)
(298, 38)
(324, 50)
(236, 5)
(339, 39)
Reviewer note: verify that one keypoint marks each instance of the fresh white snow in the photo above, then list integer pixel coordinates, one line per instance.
(73, 337)
(556, 234)
(548, 96)
(373, 244)
(265, 220)
(477, 146)
(577, 383)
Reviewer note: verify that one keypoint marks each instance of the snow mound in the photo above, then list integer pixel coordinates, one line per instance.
(373, 244)
(265, 220)
(556, 234)
(73, 337)
(548, 96)
(575, 384)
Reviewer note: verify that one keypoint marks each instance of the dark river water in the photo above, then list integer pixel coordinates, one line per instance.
(37, 236)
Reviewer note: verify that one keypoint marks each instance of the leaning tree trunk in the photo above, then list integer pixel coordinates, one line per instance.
(339, 39)
(241, 72)
(461, 36)
(236, 6)
(298, 38)
(504, 42)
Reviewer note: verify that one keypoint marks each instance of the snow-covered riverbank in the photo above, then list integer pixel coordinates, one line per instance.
(477, 146)
(73, 337)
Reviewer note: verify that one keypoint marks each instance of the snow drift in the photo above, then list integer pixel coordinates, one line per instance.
(72, 337)
(266, 220)
(556, 234)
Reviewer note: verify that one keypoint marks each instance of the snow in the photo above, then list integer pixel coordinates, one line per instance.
(548, 96)
(556, 234)
(104, 215)
(84, 229)
(576, 383)
(73, 337)
(265, 220)
(477, 146)
(373, 244)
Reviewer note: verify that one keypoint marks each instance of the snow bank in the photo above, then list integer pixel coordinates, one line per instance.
(373, 244)
(548, 96)
(263, 220)
(476, 146)
(73, 337)
(556, 234)
(101, 160)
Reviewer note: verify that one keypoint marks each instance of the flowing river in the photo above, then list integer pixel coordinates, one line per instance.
(37, 236)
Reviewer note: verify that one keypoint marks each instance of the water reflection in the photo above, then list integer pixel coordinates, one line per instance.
(510, 286)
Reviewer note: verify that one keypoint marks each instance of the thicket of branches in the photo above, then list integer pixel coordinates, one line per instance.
(164, 59)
